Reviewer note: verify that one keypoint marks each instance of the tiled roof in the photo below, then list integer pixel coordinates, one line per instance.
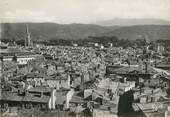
(31, 98)
(77, 99)
(9, 96)
(40, 89)
(57, 77)
(61, 97)
(125, 70)
(34, 75)
(79, 109)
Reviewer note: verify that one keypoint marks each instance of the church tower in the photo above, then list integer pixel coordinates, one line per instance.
(28, 41)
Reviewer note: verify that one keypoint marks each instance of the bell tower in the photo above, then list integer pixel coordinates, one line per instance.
(28, 41)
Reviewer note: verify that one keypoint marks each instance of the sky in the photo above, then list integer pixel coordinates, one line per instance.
(81, 11)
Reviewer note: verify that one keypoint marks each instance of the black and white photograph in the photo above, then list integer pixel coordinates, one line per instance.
(84, 58)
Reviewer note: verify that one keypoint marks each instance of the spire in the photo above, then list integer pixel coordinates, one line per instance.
(0, 33)
(28, 41)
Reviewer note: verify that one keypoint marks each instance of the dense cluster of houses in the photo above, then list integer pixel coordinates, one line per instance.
(86, 81)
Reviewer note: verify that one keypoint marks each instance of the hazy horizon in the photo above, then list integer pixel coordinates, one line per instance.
(82, 11)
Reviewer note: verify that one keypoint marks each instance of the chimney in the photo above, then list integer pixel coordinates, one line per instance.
(26, 93)
(124, 79)
(52, 99)
(41, 95)
(146, 67)
(167, 112)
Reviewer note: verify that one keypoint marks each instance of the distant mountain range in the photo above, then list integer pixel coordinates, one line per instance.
(131, 22)
(149, 32)
(46, 31)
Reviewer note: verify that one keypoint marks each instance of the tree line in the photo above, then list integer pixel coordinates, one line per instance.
(104, 40)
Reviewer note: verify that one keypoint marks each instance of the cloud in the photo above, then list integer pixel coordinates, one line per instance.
(27, 16)
(81, 11)
(134, 9)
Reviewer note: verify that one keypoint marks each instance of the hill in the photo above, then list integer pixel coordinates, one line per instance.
(131, 22)
(47, 31)
(149, 32)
